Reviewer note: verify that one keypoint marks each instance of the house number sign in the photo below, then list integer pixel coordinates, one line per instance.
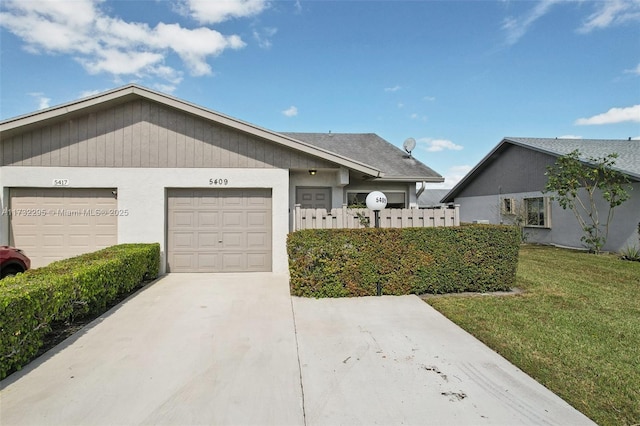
(218, 182)
(61, 182)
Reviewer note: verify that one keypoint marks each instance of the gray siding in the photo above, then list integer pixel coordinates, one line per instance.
(514, 170)
(145, 134)
(565, 230)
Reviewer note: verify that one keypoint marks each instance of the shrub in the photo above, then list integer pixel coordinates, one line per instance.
(352, 262)
(86, 284)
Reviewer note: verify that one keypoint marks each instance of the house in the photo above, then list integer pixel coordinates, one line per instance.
(507, 187)
(431, 198)
(135, 165)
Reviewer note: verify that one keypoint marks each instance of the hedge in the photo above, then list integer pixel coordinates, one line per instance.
(352, 262)
(64, 290)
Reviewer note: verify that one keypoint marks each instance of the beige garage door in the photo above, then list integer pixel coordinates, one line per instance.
(53, 224)
(219, 230)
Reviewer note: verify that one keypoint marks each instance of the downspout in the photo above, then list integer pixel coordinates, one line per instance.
(421, 190)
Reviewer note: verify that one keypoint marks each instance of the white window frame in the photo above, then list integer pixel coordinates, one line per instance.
(546, 212)
(508, 206)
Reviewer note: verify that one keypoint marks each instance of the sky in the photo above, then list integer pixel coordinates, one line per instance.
(457, 76)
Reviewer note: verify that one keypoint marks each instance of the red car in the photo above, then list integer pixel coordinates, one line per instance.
(12, 261)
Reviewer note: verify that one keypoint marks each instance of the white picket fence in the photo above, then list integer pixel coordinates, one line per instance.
(389, 218)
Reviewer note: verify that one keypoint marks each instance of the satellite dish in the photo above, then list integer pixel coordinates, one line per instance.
(409, 145)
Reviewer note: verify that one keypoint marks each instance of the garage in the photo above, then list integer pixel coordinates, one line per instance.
(219, 230)
(56, 223)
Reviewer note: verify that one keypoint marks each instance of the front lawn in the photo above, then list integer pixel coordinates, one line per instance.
(575, 329)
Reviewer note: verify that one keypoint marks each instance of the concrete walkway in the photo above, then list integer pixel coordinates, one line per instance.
(397, 361)
(236, 349)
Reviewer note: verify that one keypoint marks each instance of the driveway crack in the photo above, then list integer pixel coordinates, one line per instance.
(295, 332)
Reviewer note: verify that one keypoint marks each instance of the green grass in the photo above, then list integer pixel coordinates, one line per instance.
(575, 329)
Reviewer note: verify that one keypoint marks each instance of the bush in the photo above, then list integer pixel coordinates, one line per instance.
(352, 262)
(66, 289)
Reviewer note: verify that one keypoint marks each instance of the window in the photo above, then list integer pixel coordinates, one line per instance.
(537, 212)
(395, 200)
(508, 206)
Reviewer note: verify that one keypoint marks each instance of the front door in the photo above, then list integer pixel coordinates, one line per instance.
(314, 198)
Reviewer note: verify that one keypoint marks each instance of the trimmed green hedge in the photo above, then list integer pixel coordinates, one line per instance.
(351, 262)
(66, 289)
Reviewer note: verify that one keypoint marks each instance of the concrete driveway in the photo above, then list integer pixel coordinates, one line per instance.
(236, 349)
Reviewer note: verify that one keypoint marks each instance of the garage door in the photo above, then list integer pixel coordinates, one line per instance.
(219, 230)
(53, 224)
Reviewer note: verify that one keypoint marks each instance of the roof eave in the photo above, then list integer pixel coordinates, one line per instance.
(450, 197)
(132, 89)
(60, 110)
(635, 176)
(430, 179)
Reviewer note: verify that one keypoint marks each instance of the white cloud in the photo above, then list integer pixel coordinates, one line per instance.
(429, 98)
(416, 116)
(117, 62)
(43, 101)
(569, 137)
(614, 115)
(291, 111)
(437, 145)
(105, 44)
(213, 12)
(166, 88)
(611, 12)
(392, 89)
(516, 28)
(452, 176)
(607, 13)
(263, 37)
(635, 70)
(87, 93)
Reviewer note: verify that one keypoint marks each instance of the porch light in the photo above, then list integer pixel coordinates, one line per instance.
(313, 172)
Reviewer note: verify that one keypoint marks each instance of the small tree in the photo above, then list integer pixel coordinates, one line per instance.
(513, 212)
(569, 175)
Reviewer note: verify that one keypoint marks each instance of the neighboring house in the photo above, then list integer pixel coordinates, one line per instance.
(431, 198)
(507, 187)
(135, 165)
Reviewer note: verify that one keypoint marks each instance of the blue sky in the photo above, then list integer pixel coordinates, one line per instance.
(457, 76)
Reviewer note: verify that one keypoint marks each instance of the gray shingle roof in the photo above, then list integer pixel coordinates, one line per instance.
(628, 151)
(371, 149)
(431, 197)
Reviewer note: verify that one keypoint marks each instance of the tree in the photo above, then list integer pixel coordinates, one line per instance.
(577, 185)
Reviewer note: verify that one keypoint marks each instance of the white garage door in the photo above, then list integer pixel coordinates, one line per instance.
(53, 224)
(219, 230)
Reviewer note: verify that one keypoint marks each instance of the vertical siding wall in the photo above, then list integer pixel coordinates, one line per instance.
(145, 134)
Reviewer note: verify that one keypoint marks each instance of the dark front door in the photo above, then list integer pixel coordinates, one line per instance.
(314, 198)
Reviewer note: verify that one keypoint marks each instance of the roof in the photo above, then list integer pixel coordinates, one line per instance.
(628, 150)
(431, 197)
(371, 149)
(134, 91)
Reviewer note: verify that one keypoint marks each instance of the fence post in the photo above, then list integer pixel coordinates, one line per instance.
(296, 217)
